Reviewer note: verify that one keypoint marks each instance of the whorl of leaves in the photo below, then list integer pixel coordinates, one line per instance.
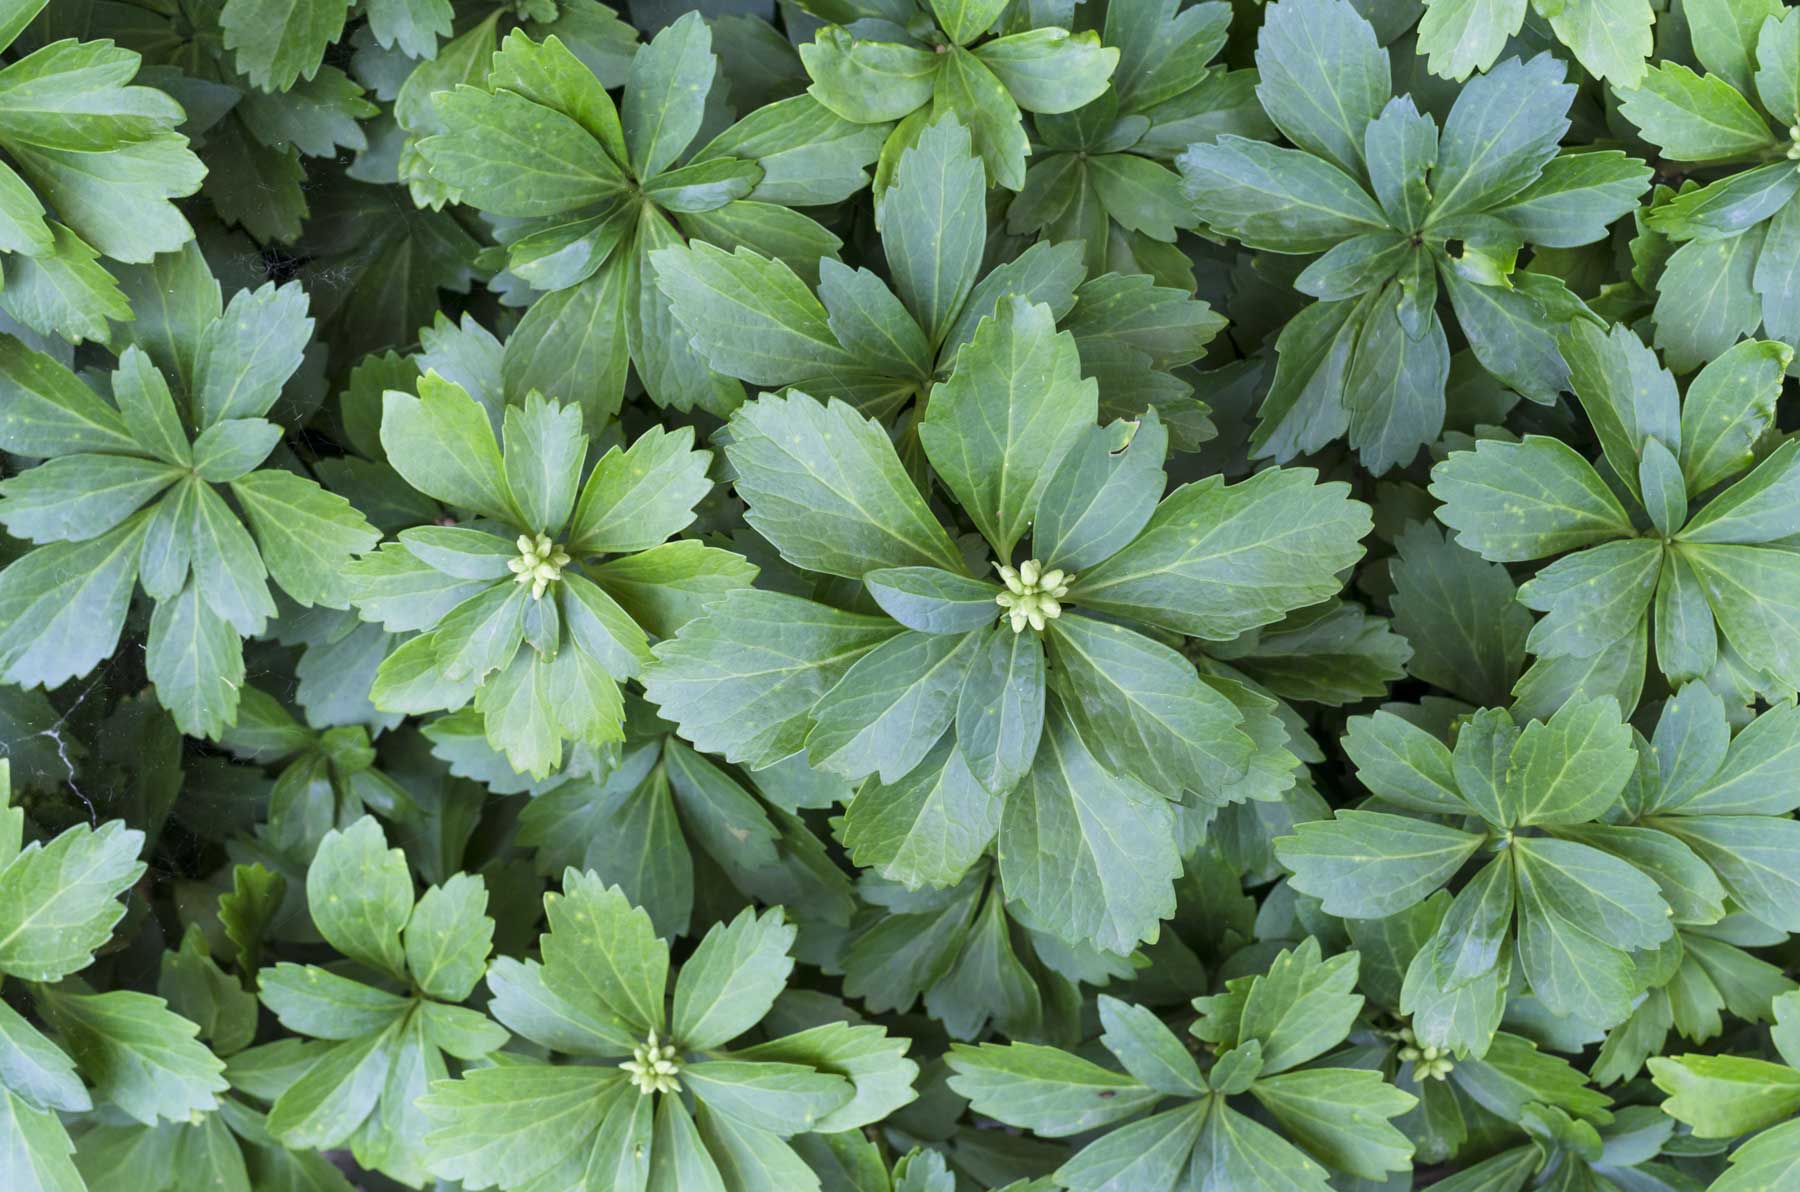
(899, 595)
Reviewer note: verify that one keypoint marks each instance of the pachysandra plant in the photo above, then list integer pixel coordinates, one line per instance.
(619, 183)
(1259, 1037)
(658, 1093)
(1728, 1096)
(710, 830)
(1399, 207)
(1610, 38)
(880, 345)
(1699, 567)
(1567, 914)
(254, 144)
(1739, 232)
(910, 62)
(1101, 176)
(92, 162)
(368, 1042)
(990, 711)
(132, 493)
(327, 780)
(521, 612)
(899, 596)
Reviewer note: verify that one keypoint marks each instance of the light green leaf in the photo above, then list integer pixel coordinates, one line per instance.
(665, 97)
(360, 893)
(448, 937)
(731, 980)
(137, 1053)
(602, 955)
(1041, 1089)
(1694, 118)
(934, 221)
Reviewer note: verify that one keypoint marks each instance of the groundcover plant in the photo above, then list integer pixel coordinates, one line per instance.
(899, 595)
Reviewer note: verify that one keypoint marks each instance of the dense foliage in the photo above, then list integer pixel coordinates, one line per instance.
(899, 595)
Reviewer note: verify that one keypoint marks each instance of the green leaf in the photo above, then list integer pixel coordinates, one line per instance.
(867, 81)
(1463, 36)
(1235, 1151)
(928, 828)
(1148, 1049)
(1778, 65)
(1041, 1089)
(543, 453)
(1277, 199)
(1309, 1105)
(1101, 496)
(1015, 406)
(826, 488)
(1090, 853)
(731, 980)
(443, 444)
(34, 1148)
(247, 354)
(602, 955)
(278, 44)
(1755, 595)
(196, 660)
(1000, 713)
(1722, 1096)
(360, 893)
(62, 606)
(741, 679)
(753, 317)
(1753, 855)
(1750, 777)
(1514, 501)
(665, 96)
(500, 1127)
(80, 496)
(49, 412)
(306, 534)
(1502, 129)
(317, 1002)
(494, 141)
(448, 937)
(1144, 711)
(934, 222)
(37, 1069)
(529, 1008)
(1145, 1154)
(639, 497)
(888, 710)
(1570, 768)
(1726, 406)
(137, 1054)
(1724, 34)
(59, 901)
(1183, 572)
(1367, 864)
(1694, 118)
(1706, 298)
(64, 292)
(1323, 77)
(933, 601)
